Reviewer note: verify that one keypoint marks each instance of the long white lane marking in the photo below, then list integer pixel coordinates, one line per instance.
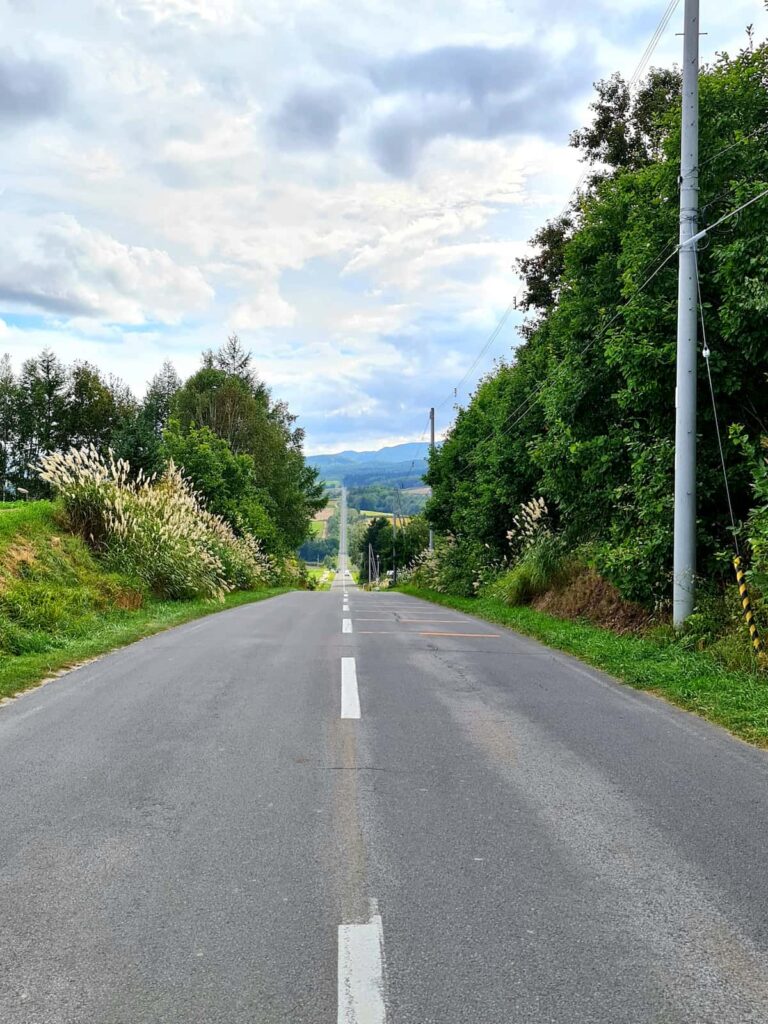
(346, 626)
(350, 700)
(361, 973)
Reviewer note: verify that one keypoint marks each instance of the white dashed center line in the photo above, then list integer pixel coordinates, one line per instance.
(361, 972)
(346, 626)
(350, 700)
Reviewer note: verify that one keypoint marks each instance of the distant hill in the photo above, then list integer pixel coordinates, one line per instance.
(401, 464)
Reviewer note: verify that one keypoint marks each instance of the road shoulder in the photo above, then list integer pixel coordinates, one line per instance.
(738, 701)
(24, 672)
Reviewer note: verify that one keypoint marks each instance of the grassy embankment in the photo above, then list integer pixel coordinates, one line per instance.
(737, 700)
(59, 607)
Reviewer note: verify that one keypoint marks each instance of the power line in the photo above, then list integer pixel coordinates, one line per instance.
(522, 410)
(733, 145)
(721, 220)
(633, 81)
(654, 42)
(705, 353)
(487, 344)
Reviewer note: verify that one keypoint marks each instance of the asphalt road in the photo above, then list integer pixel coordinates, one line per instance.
(190, 832)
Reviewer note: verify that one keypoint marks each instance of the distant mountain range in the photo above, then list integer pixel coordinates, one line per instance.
(404, 464)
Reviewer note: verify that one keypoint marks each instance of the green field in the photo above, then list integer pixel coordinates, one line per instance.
(317, 529)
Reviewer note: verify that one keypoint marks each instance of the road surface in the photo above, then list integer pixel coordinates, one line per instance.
(417, 818)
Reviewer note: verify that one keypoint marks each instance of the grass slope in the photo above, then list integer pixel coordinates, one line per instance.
(59, 607)
(737, 700)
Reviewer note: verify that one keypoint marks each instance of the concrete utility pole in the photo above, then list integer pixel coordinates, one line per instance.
(687, 323)
(431, 448)
(394, 535)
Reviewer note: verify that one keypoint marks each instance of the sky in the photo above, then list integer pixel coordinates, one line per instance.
(345, 184)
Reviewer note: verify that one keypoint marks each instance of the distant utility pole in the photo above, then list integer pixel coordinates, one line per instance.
(687, 322)
(431, 448)
(394, 535)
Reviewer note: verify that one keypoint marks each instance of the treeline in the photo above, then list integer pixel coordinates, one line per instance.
(385, 498)
(240, 449)
(583, 415)
(324, 549)
(374, 542)
(406, 474)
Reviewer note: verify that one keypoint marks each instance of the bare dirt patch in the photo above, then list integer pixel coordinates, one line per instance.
(18, 556)
(588, 596)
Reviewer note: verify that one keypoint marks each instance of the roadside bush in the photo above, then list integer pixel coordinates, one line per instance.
(455, 566)
(544, 564)
(155, 531)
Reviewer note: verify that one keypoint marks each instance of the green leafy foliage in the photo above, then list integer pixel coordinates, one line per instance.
(241, 449)
(544, 564)
(410, 538)
(584, 412)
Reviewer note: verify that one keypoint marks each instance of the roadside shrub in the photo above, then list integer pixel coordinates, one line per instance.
(449, 569)
(155, 531)
(544, 564)
(424, 571)
(455, 566)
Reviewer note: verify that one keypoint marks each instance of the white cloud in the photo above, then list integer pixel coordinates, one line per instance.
(54, 264)
(152, 188)
(268, 310)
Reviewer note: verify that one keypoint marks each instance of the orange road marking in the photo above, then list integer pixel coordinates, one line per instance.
(492, 635)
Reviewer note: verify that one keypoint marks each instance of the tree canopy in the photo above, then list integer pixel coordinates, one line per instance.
(241, 450)
(583, 414)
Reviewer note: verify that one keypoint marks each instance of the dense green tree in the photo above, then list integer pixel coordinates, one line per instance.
(9, 401)
(93, 408)
(628, 128)
(411, 538)
(159, 397)
(542, 270)
(223, 478)
(42, 414)
(235, 405)
(584, 413)
(138, 436)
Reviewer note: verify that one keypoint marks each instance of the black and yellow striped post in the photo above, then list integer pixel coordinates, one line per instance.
(746, 604)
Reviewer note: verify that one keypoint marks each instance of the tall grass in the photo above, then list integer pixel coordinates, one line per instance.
(155, 531)
(543, 564)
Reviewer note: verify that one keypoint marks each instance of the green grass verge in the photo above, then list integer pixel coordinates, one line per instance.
(322, 577)
(693, 680)
(115, 629)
